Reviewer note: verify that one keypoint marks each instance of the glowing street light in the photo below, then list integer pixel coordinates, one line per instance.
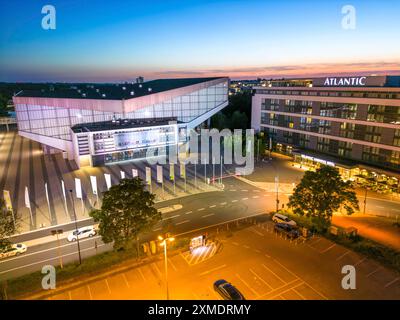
(164, 241)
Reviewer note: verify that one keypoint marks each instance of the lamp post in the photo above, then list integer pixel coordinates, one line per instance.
(365, 200)
(56, 233)
(277, 192)
(164, 241)
(76, 227)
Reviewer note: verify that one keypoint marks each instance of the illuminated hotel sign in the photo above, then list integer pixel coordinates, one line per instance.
(348, 81)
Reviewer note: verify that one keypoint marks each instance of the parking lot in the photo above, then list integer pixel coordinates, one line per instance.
(260, 263)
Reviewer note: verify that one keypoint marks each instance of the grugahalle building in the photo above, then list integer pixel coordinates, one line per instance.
(353, 118)
(97, 124)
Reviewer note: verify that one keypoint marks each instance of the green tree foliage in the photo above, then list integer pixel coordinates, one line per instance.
(236, 115)
(321, 193)
(7, 227)
(127, 210)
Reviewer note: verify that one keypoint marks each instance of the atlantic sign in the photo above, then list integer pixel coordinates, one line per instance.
(351, 81)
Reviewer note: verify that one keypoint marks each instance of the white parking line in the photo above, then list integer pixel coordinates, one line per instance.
(182, 222)
(235, 200)
(329, 248)
(375, 271)
(212, 270)
(223, 203)
(244, 190)
(247, 285)
(208, 215)
(90, 293)
(108, 286)
(189, 212)
(172, 264)
(141, 273)
(213, 206)
(300, 295)
(257, 232)
(244, 199)
(261, 279)
(178, 215)
(391, 282)
(360, 261)
(255, 197)
(201, 209)
(343, 255)
(126, 280)
(278, 277)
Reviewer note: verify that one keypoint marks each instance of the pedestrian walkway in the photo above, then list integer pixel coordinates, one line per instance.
(24, 168)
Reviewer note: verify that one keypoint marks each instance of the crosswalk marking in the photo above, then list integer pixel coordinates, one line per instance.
(200, 254)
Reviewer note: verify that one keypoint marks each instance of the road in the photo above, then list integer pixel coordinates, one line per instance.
(198, 211)
(259, 263)
(238, 200)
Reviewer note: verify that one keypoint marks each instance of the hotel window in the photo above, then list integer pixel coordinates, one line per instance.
(373, 134)
(345, 149)
(396, 140)
(323, 144)
(370, 154)
(347, 130)
(395, 158)
(324, 127)
(348, 111)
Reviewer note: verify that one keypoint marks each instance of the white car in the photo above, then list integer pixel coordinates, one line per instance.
(14, 250)
(280, 218)
(84, 232)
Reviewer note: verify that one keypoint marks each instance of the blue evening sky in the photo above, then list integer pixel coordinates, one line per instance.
(108, 40)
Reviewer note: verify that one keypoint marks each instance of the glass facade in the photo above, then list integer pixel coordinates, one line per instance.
(56, 122)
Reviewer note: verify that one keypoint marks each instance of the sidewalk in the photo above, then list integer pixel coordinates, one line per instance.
(379, 229)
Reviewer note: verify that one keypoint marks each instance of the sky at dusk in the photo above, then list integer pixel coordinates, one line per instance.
(108, 41)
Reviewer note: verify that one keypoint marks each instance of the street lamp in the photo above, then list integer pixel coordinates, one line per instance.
(164, 241)
(76, 227)
(57, 233)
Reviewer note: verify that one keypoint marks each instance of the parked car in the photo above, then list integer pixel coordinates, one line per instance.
(291, 231)
(13, 250)
(227, 290)
(280, 218)
(84, 232)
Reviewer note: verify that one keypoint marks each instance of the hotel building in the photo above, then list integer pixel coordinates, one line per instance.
(104, 123)
(345, 119)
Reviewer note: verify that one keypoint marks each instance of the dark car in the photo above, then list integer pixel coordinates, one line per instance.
(289, 230)
(227, 290)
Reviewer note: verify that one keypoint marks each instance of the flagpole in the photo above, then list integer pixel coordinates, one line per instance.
(221, 171)
(65, 198)
(48, 201)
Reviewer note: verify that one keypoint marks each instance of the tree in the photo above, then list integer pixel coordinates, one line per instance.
(126, 211)
(239, 120)
(7, 226)
(321, 193)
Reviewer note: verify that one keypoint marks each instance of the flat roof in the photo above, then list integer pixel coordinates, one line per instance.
(120, 124)
(115, 91)
(355, 81)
